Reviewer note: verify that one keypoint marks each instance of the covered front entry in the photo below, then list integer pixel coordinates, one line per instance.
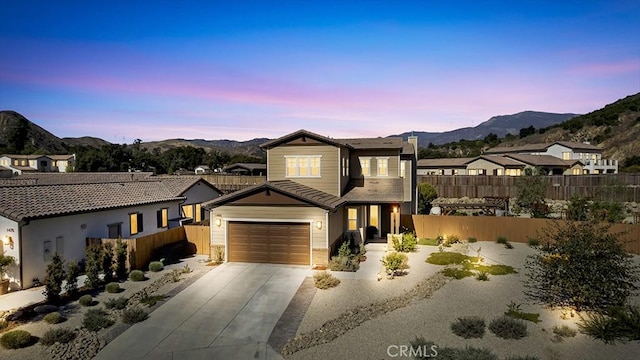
(269, 242)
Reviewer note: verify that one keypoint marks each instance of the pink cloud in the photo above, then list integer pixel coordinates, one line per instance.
(607, 68)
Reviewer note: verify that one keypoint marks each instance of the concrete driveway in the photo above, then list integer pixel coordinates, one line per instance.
(227, 313)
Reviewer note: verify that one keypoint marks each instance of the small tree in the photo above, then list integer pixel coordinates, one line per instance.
(55, 277)
(121, 259)
(581, 265)
(92, 270)
(107, 262)
(73, 271)
(530, 189)
(426, 194)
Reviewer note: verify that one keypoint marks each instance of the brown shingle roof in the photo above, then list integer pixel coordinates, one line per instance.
(52, 178)
(539, 147)
(500, 160)
(445, 162)
(179, 184)
(286, 187)
(300, 133)
(247, 166)
(539, 160)
(38, 201)
(374, 191)
(373, 143)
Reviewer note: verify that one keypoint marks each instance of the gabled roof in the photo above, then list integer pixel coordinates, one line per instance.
(444, 163)
(246, 166)
(542, 147)
(541, 160)
(374, 191)
(500, 160)
(60, 157)
(285, 187)
(40, 201)
(301, 134)
(373, 143)
(179, 184)
(204, 167)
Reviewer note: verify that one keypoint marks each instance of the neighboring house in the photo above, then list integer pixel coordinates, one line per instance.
(5, 172)
(510, 164)
(587, 154)
(60, 211)
(318, 192)
(255, 169)
(20, 164)
(203, 170)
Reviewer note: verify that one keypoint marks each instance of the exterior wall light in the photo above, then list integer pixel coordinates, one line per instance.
(218, 221)
(8, 241)
(395, 209)
(319, 225)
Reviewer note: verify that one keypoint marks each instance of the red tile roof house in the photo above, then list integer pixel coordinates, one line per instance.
(318, 190)
(47, 213)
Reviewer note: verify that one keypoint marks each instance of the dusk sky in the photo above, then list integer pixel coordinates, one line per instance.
(153, 70)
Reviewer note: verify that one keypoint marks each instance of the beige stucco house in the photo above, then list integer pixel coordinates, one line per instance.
(319, 191)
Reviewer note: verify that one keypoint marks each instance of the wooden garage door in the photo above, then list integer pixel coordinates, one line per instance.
(263, 242)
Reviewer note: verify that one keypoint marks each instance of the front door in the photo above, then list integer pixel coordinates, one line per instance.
(374, 219)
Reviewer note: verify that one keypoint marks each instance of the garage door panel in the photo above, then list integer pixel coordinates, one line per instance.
(282, 243)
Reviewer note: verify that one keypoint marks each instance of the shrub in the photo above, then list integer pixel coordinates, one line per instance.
(86, 300)
(533, 242)
(156, 266)
(405, 243)
(55, 277)
(73, 271)
(472, 240)
(502, 240)
(57, 335)
(508, 328)
(508, 245)
(449, 353)
(456, 273)
(113, 287)
(426, 194)
(133, 315)
(468, 327)
(324, 280)
(618, 324)
(53, 317)
(395, 263)
(137, 275)
(448, 258)
(515, 312)
(96, 319)
(429, 242)
(117, 303)
(342, 263)
(107, 262)
(93, 264)
(16, 339)
(482, 276)
(121, 259)
(564, 331)
(175, 275)
(150, 300)
(582, 266)
(345, 249)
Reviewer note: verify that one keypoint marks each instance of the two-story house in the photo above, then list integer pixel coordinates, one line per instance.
(45, 213)
(20, 164)
(588, 154)
(318, 192)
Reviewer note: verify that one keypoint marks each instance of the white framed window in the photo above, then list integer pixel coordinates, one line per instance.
(303, 166)
(352, 219)
(566, 155)
(365, 164)
(383, 166)
(344, 167)
(403, 168)
(347, 166)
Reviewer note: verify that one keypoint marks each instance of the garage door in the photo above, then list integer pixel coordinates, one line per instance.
(262, 242)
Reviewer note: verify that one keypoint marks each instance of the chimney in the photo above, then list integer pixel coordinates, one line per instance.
(413, 140)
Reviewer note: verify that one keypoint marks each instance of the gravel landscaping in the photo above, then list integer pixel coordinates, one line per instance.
(88, 343)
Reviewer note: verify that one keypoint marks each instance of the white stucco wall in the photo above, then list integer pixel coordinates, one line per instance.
(200, 193)
(10, 228)
(67, 234)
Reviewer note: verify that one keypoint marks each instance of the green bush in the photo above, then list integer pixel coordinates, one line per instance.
(107, 262)
(93, 265)
(342, 263)
(118, 303)
(54, 279)
(395, 263)
(533, 242)
(137, 275)
(468, 327)
(57, 335)
(156, 266)
(345, 249)
(564, 331)
(86, 300)
(121, 260)
(617, 324)
(508, 328)
(53, 317)
(73, 271)
(449, 353)
(113, 287)
(133, 315)
(456, 273)
(324, 280)
(406, 243)
(482, 276)
(502, 240)
(96, 319)
(16, 339)
(150, 300)
(472, 240)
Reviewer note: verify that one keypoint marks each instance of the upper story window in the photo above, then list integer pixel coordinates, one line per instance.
(135, 223)
(163, 217)
(383, 166)
(193, 211)
(303, 166)
(403, 168)
(566, 155)
(365, 164)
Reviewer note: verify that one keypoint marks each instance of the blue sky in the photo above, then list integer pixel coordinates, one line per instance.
(183, 69)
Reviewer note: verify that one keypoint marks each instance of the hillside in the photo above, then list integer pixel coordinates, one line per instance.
(19, 135)
(249, 147)
(85, 141)
(500, 125)
(614, 128)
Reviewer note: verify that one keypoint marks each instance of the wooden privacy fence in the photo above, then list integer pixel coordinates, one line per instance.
(140, 250)
(489, 228)
(231, 183)
(610, 187)
(200, 236)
